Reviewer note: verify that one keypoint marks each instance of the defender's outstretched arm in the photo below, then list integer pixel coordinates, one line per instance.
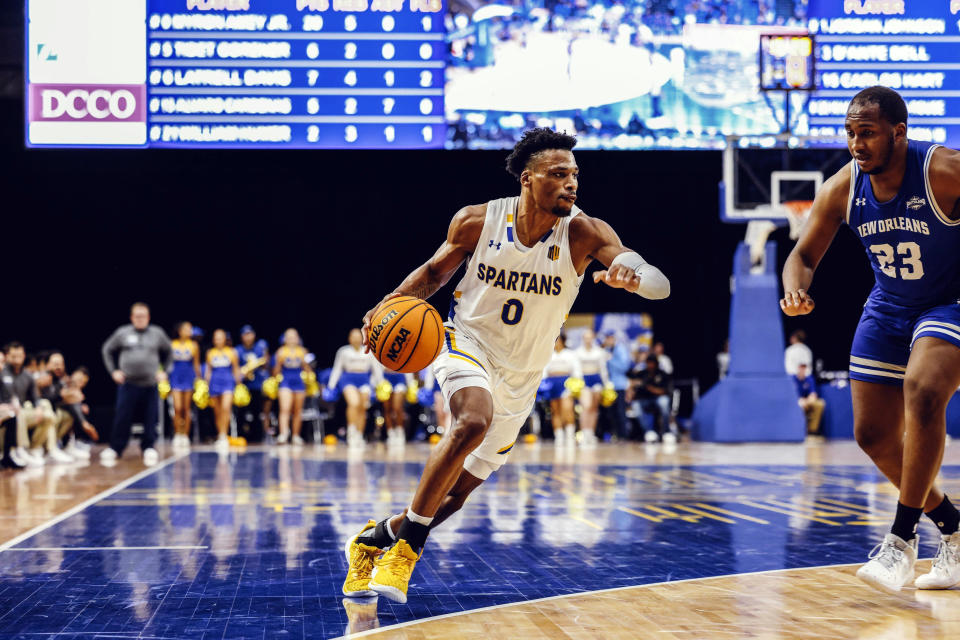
(828, 213)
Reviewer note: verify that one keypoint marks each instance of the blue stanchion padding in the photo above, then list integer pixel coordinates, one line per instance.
(757, 401)
(838, 413)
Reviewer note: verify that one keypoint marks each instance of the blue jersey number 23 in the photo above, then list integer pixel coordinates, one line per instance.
(912, 268)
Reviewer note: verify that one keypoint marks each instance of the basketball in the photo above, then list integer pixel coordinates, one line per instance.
(406, 334)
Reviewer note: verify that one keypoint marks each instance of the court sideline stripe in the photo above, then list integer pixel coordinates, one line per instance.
(90, 501)
(410, 623)
(160, 548)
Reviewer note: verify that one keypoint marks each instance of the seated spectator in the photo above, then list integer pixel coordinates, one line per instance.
(35, 414)
(9, 407)
(808, 400)
(73, 412)
(653, 391)
(665, 362)
(797, 353)
(49, 380)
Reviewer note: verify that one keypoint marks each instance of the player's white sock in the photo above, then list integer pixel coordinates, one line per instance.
(413, 517)
(571, 433)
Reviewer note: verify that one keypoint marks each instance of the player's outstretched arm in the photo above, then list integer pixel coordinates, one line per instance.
(594, 239)
(462, 237)
(828, 213)
(945, 181)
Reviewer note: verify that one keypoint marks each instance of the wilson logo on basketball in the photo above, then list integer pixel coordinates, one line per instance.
(378, 328)
(397, 345)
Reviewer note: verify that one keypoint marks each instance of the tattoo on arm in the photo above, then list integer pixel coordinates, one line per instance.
(422, 283)
(422, 291)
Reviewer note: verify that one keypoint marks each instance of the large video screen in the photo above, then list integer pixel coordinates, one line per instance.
(621, 74)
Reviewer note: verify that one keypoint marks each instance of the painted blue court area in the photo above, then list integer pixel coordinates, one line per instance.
(251, 545)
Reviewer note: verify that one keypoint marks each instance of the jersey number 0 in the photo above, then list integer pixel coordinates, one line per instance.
(512, 311)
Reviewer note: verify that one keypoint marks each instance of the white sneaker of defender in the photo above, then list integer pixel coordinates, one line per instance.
(891, 564)
(945, 572)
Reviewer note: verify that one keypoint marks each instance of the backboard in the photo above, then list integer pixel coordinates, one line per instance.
(765, 177)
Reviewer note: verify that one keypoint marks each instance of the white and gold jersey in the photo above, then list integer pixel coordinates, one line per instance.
(513, 300)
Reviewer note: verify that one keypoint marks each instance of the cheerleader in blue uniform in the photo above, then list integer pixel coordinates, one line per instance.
(223, 374)
(290, 364)
(394, 414)
(593, 364)
(183, 373)
(431, 395)
(562, 366)
(355, 371)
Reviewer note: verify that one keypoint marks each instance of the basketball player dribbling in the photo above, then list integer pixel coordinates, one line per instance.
(525, 257)
(902, 198)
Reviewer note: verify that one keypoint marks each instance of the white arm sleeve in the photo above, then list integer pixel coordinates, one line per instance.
(653, 284)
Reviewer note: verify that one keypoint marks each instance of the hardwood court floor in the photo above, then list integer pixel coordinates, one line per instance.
(802, 603)
(701, 541)
(31, 497)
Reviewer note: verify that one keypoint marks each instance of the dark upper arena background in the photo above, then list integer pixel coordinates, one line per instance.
(312, 239)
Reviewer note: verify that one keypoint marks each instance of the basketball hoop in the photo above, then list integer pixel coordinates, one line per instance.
(797, 213)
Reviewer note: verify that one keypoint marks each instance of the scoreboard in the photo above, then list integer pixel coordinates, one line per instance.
(375, 74)
(912, 46)
(236, 73)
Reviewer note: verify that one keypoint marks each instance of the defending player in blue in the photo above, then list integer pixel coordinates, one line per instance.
(902, 198)
(525, 259)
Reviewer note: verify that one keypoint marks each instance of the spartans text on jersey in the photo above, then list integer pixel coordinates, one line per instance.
(522, 281)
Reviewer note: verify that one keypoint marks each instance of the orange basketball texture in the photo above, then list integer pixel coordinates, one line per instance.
(406, 334)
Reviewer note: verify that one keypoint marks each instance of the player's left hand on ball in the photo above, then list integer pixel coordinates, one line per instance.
(619, 277)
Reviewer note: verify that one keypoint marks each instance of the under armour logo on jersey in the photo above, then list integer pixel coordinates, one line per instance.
(861, 201)
(497, 244)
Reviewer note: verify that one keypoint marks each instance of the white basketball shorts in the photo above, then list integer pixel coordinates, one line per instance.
(462, 364)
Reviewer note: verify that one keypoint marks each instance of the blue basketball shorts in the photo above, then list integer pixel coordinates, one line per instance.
(887, 332)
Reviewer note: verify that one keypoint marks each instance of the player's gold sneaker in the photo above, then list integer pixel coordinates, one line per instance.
(360, 558)
(392, 571)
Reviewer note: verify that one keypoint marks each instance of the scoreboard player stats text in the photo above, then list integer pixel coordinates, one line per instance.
(236, 73)
(381, 74)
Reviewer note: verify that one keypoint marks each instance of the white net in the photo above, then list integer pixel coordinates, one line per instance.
(798, 212)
